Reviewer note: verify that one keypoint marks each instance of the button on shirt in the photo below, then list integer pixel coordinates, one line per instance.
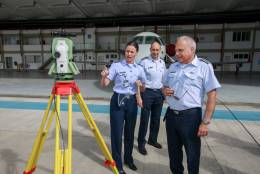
(154, 71)
(125, 75)
(190, 82)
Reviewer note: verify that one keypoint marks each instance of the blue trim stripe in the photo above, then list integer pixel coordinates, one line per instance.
(96, 108)
(43, 105)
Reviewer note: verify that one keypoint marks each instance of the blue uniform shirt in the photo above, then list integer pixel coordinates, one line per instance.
(154, 71)
(124, 76)
(190, 82)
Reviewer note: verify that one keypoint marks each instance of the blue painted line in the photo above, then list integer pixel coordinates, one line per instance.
(43, 105)
(94, 108)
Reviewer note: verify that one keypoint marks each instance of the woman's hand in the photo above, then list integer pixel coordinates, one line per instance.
(104, 80)
(140, 85)
(138, 93)
(104, 72)
(139, 101)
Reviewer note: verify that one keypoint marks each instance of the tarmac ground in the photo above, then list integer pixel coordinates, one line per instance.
(232, 146)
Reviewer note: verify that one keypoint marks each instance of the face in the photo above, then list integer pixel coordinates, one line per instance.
(155, 50)
(130, 53)
(184, 53)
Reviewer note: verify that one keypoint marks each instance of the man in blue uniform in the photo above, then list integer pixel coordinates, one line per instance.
(185, 84)
(154, 68)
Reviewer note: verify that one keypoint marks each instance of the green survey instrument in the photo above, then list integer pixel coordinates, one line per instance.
(63, 67)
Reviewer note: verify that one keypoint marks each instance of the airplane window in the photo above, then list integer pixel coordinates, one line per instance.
(138, 39)
(162, 42)
(150, 39)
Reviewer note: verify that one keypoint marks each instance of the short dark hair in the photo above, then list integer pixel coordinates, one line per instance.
(155, 41)
(134, 44)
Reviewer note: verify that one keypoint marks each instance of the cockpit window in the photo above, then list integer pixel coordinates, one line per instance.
(138, 39)
(162, 42)
(150, 39)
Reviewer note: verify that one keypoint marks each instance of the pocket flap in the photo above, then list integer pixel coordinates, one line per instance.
(191, 75)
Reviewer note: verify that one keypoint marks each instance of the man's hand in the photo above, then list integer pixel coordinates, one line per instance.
(167, 91)
(203, 130)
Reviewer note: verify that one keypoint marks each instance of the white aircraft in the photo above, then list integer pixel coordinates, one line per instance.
(144, 41)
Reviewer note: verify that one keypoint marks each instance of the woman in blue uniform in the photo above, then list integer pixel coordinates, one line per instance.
(128, 77)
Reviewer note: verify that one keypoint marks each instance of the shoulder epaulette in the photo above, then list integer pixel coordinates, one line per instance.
(144, 58)
(175, 61)
(162, 60)
(115, 61)
(204, 60)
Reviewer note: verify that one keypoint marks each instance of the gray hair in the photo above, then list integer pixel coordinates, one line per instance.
(191, 42)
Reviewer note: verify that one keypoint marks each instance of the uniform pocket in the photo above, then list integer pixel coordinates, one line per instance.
(192, 79)
(190, 76)
(172, 74)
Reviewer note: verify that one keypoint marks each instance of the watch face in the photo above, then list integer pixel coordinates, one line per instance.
(206, 122)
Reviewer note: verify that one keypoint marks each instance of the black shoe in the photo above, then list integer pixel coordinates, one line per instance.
(142, 150)
(131, 166)
(156, 144)
(122, 172)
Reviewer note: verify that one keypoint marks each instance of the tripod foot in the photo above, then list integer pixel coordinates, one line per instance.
(30, 171)
(109, 163)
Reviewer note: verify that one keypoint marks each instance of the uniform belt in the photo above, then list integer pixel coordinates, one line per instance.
(180, 112)
(125, 95)
(150, 89)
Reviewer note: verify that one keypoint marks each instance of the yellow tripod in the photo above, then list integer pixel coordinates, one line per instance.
(63, 164)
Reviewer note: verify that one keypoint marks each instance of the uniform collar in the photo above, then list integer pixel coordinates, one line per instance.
(157, 60)
(124, 63)
(195, 61)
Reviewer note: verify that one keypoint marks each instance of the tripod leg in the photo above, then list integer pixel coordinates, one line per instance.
(63, 156)
(95, 130)
(68, 154)
(40, 138)
(59, 154)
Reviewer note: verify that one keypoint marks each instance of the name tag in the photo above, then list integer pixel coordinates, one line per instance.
(125, 83)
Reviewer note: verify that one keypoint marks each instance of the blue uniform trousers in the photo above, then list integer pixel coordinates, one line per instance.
(152, 106)
(123, 116)
(182, 128)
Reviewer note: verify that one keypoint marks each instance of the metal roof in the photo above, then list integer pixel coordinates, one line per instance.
(21, 13)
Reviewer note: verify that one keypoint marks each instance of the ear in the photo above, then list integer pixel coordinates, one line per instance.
(192, 49)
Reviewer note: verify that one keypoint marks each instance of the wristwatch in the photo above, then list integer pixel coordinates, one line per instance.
(205, 121)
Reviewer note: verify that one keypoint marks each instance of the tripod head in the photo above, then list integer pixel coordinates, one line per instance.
(63, 68)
